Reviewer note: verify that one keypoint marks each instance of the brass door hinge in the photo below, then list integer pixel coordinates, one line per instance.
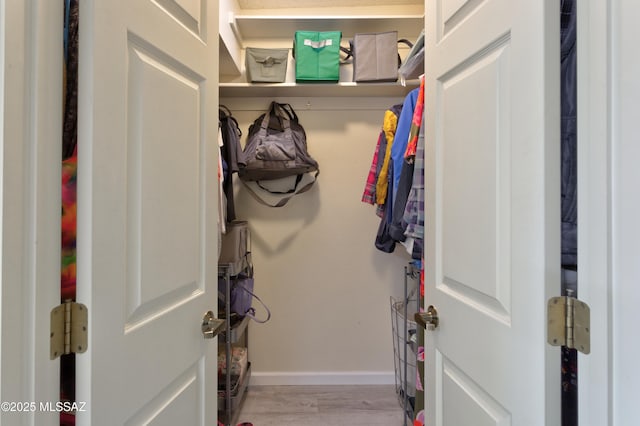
(68, 335)
(568, 323)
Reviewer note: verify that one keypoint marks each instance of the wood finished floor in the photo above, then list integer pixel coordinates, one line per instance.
(370, 405)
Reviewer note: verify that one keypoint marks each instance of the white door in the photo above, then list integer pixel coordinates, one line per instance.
(147, 250)
(492, 246)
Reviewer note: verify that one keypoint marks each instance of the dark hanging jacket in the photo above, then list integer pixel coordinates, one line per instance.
(569, 167)
(232, 156)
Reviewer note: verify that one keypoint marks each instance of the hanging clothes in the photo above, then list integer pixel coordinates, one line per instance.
(69, 151)
(404, 187)
(231, 156)
(569, 200)
(68, 222)
(413, 214)
(222, 199)
(389, 127)
(394, 186)
(416, 123)
(383, 241)
(70, 81)
(414, 209)
(68, 227)
(369, 193)
(401, 138)
(569, 162)
(398, 225)
(419, 417)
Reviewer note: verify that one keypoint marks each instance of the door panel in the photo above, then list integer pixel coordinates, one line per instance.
(163, 241)
(458, 390)
(190, 13)
(492, 211)
(475, 247)
(147, 250)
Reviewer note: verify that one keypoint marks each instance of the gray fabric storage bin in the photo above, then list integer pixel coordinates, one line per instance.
(266, 65)
(236, 246)
(375, 56)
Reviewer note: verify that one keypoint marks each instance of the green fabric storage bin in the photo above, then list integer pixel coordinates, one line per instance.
(317, 56)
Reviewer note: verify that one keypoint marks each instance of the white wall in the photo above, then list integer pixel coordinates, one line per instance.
(316, 265)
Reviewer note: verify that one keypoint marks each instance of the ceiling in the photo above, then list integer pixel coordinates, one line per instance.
(288, 4)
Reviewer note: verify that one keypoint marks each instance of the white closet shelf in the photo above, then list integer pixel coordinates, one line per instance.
(251, 27)
(268, 29)
(346, 89)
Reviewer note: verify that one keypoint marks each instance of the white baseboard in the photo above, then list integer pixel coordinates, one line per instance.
(277, 378)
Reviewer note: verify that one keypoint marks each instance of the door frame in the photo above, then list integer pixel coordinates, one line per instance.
(30, 229)
(594, 205)
(31, 122)
(598, 33)
(607, 137)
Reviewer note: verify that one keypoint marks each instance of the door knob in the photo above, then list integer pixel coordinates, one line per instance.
(211, 326)
(428, 319)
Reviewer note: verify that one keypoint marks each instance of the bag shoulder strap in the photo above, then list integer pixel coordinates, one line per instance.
(348, 51)
(224, 110)
(251, 313)
(405, 41)
(284, 113)
(290, 193)
(408, 43)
